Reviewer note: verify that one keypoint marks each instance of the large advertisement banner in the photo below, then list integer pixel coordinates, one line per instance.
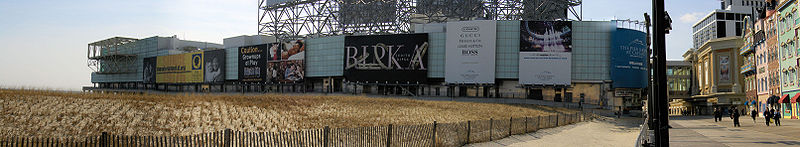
(628, 59)
(545, 56)
(287, 63)
(386, 58)
(149, 70)
(470, 52)
(724, 69)
(253, 60)
(180, 68)
(214, 62)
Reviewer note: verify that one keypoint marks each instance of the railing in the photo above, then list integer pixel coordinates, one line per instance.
(433, 134)
(644, 135)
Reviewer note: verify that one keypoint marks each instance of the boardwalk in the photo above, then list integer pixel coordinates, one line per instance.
(703, 131)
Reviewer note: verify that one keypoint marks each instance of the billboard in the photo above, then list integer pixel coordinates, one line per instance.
(253, 60)
(180, 68)
(628, 58)
(149, 70)
(214, 62)
(724, 69)
(545, 53)
(286, 63)
(470, 52)
(386, 58)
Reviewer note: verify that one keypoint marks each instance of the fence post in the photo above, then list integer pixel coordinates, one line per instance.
(469, 129)
(557, 119)
(490, 128)
(104, 139)
(389, 136)
(526, 125)
(227, 135)
(538, 122)
(433, 143)
(325, 133)
(510, 122)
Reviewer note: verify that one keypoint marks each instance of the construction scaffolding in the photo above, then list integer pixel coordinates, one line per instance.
(297, 19)
(106, 56)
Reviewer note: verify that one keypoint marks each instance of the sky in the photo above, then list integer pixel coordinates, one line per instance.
(43, 44)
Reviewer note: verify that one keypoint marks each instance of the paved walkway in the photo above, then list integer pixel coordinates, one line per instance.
(611, 132)
(703, 131)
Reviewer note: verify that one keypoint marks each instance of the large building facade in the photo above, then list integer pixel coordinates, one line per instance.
(599, 62)
(679, 86)
(788, 51)
(719, 84)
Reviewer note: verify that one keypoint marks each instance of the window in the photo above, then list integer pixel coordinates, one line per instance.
(721, 29)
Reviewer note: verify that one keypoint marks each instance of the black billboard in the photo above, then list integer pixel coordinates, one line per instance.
(149, 70)
(253, 62)
(214, 62)
(397, 58)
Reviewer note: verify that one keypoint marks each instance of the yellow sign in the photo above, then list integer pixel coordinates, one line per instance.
(180, 68)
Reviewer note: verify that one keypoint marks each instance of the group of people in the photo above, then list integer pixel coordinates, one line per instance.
(735, 114)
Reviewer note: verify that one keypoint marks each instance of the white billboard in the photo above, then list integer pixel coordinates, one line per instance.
(470, 52)
(545, 55)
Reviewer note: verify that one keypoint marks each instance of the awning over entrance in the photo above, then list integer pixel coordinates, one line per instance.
(795, 99)
(785, 98)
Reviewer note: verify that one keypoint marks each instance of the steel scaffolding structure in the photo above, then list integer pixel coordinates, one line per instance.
(105, 56)
(296, 19)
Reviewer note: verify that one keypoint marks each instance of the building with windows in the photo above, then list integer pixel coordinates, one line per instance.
(786, 27)
(748, 70)
(724, 22)
(679, 85)
(716, 64)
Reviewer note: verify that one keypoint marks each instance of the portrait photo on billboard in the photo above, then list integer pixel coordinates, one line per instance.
(214, 62)
(274, 52)
(724, 69)
(386, 58)
(274, 72)
(293, 50)
(252, 62)
(293, 70)
(545, 36)
(149, 70)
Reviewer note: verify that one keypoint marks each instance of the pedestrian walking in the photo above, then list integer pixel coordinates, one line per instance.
(736, 118)
(767, 116)
(753, 114)
(777, 117)
(717, 115)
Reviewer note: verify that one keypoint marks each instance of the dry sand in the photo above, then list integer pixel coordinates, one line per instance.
(27, 113)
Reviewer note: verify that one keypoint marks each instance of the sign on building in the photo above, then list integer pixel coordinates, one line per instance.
(386, 58)
(470, 52)
(545, 53)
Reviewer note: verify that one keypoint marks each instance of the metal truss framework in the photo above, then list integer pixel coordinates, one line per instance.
(297, 19)
(105, 57)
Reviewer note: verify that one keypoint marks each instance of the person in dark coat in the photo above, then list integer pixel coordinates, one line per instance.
(753, 114)
(767, 116)
(736, 118)
(716, 115)
(777, 117)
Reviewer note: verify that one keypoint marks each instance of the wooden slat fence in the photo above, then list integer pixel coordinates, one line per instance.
(421, 135)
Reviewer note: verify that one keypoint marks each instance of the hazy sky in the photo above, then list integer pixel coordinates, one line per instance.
(43, 44)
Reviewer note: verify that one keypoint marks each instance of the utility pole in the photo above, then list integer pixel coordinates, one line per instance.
(650, 83)
(661, 26)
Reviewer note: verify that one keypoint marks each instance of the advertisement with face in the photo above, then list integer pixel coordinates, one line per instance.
(386, 58)
(628, 58)
(724, 69)
(470, 52)
(545, 56)
(149, 70)
(214, 62)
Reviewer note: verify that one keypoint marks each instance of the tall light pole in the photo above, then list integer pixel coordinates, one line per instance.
(661, 26)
